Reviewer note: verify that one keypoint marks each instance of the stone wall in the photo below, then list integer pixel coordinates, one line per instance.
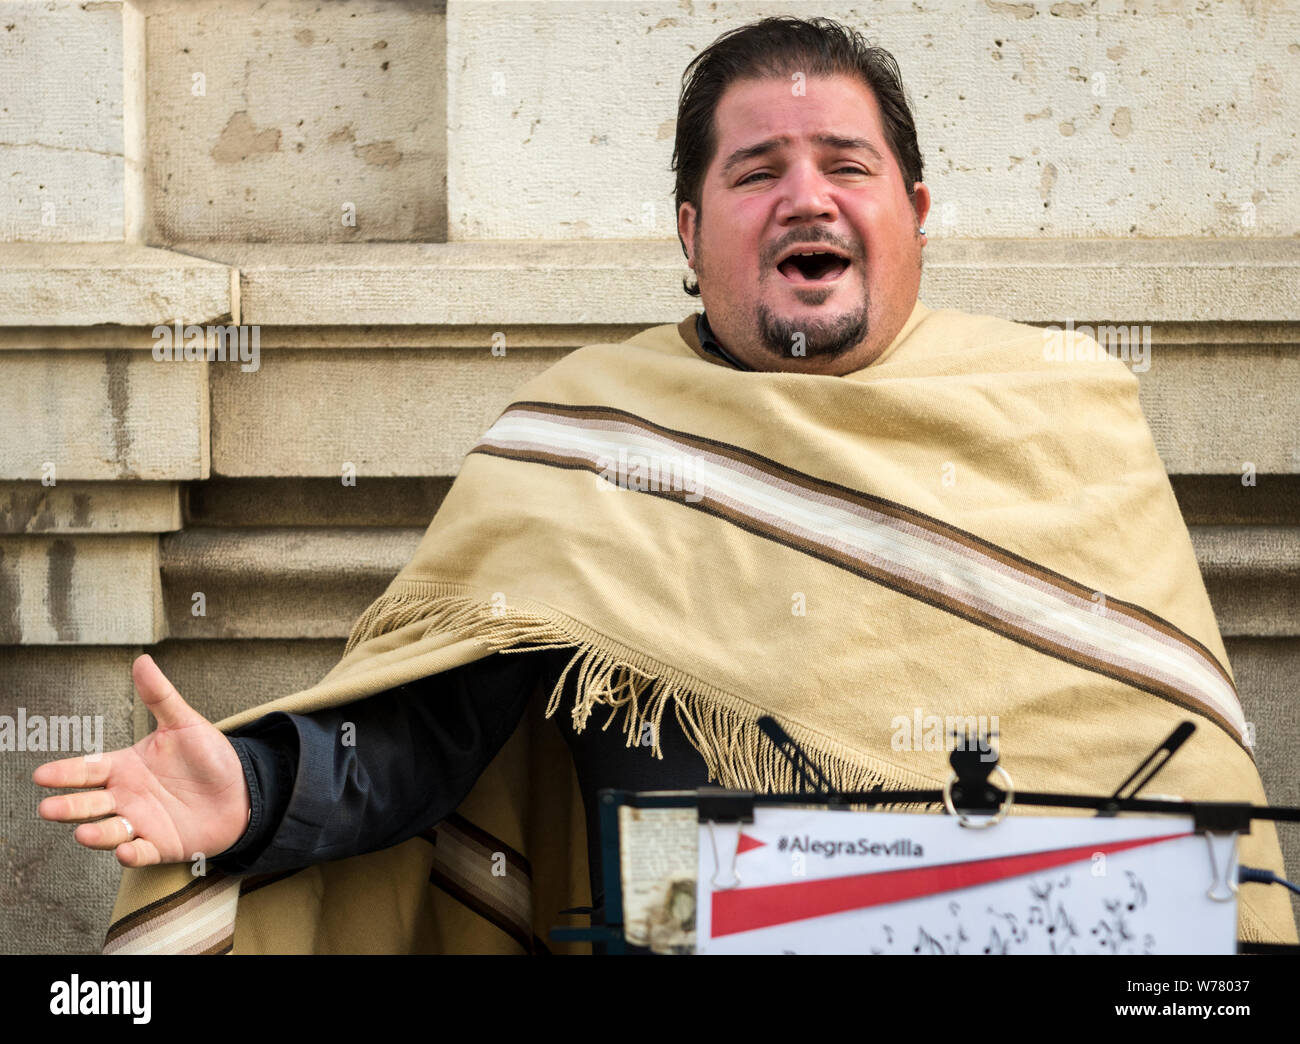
(382, 186)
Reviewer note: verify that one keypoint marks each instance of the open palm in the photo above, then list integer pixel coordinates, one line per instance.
(181, 789)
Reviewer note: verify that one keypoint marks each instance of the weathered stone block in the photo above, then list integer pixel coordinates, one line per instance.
(1220, 410)
(283, 121)
(72, 149)
(79, 590)
(385, 412)
(57, 894)
(1052, 119)
(100, 415)
(89, 507)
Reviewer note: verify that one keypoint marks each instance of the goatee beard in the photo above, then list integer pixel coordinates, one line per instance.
(821, 337)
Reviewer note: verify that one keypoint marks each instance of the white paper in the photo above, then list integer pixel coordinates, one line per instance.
(816, 881)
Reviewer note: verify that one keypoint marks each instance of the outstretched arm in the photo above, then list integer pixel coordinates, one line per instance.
(371, 774)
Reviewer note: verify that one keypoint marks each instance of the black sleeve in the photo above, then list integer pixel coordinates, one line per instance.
(268, 753)
(373, 773)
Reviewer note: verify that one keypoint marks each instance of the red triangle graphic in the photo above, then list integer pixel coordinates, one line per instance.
(747, 842)
(746, 909)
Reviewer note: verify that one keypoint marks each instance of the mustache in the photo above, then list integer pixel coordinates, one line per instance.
(853, 254)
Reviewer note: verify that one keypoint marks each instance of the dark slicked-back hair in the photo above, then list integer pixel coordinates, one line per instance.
(776, 48)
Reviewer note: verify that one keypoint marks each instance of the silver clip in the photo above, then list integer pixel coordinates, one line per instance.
(717, 863)
(1009, 797)
(1228, 878)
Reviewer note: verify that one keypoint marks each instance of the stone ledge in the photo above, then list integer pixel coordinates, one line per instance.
(1209, 408)
(311, 583)
(313, 503)
(87, 284)
(639, 281)
(287, 553)
(90, 507)
(294, 582)
(386, 412)
(1155, 280)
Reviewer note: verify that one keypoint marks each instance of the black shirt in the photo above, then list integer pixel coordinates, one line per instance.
(710, 343)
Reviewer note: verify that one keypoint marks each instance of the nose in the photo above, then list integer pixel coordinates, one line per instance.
(806, 195)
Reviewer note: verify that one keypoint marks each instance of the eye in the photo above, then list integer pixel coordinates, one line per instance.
(764, 174)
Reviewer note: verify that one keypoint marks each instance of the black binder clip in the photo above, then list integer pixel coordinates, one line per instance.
(969, 786)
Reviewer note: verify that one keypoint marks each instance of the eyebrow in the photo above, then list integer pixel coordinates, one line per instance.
(830, 141)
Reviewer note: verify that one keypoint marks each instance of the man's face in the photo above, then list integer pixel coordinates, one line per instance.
(835, 195)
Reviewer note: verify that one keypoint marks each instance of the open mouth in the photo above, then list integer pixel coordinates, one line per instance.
(813, 268)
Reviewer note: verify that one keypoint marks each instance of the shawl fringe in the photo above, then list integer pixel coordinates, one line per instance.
(636, 689)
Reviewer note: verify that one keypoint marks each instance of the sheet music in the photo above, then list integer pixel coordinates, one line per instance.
(819, 881)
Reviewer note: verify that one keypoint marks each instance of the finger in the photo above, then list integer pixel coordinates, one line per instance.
(69, 808)
(73, 772)
(137, 853)
(158, 694)
(105, 835)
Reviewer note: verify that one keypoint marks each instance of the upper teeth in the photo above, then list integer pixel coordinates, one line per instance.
(809, 253)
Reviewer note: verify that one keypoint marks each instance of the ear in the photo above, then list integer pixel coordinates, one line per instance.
(686, 219)
(921, 202)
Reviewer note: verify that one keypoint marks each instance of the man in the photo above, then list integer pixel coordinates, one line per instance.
(857, 508)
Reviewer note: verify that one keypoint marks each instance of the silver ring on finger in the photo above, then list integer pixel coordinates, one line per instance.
(130, 830)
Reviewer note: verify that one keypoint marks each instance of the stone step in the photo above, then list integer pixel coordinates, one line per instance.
(277, 583)
(1253, 576)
